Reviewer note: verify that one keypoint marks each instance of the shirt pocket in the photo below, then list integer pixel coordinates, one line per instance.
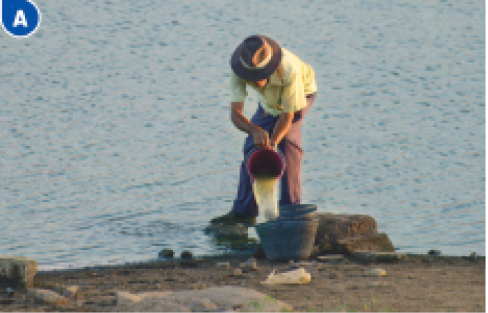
(272, 95)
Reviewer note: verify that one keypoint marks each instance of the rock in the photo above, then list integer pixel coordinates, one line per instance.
(124, 298)
(71, 291)
(222, 230)
(224, 265)
(251, 264)
(434, 252)
(305, 264)
(10, 291)
(211, 299)
(198, 285)
(334, 227)
(166, 253)
(45, 296)
(332, 258)
(371, 256)
(376, 272)
(186, 255)
(67, 291)
(473, 256)
(237, 272)
(17, 271)
(374, 242)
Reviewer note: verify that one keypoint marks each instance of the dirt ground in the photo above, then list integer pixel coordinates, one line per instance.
(417, 284)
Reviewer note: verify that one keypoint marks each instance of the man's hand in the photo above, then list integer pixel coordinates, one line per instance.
(281, 128)
(260, 137)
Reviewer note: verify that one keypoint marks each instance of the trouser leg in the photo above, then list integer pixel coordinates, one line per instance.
(291, 146)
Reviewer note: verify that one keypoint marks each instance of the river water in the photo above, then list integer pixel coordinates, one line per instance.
(116, 141)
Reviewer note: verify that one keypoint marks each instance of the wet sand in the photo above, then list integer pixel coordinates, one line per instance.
(419, 283)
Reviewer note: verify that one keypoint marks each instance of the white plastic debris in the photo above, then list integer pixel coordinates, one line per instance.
(298, 276)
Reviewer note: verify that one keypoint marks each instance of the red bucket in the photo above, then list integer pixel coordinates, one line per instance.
(265, 162)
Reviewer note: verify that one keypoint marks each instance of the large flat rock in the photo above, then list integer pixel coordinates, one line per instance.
(223, 298)
(17, 271)
(343, 233)
(333, 227)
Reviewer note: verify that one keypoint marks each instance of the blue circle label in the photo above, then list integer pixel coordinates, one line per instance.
(20, 18)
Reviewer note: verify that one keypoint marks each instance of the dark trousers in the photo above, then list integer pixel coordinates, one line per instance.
(290, 146)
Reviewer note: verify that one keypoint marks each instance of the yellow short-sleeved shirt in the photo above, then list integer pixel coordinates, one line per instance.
(280, 95)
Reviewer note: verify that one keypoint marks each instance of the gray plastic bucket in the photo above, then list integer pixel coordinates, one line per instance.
(298, 211)
(288, 239)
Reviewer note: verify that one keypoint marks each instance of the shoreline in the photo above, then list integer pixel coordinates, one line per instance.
(412, 283)
(234, 255)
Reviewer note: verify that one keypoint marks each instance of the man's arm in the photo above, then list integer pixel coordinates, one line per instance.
(281, 128)
(260, 136)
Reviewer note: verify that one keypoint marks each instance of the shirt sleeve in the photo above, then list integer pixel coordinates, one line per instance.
(238, 90)
(293, 96)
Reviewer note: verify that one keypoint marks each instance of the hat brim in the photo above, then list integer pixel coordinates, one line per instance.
(253, 76)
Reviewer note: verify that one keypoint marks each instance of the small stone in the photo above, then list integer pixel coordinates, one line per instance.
(332, 258)
(250, 264)
(186, 255)
(166, 253)
(67, 291)
(123, 298)
(71, 291)
(434, 252)
(237, 272)
(376, 272)
(10, 291)
(305, 263)
(224, 265)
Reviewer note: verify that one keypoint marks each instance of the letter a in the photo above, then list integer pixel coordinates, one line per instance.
(20, 19)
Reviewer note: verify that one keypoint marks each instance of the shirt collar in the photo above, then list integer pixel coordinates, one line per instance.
(275, 79)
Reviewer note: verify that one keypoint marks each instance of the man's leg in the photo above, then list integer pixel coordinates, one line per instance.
(291, 146)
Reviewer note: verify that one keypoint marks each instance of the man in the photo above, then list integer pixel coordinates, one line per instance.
(287, 90)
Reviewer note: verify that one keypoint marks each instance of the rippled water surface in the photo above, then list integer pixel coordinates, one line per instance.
(116, 141)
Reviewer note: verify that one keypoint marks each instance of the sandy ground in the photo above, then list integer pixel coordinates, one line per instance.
(419, 283)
